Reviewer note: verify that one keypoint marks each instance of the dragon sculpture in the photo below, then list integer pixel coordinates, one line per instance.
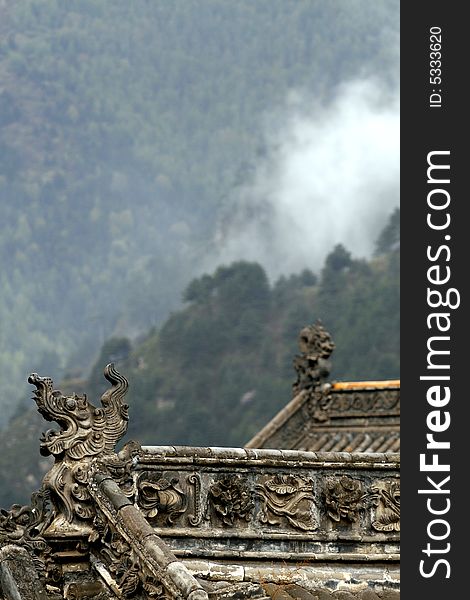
(85, 433)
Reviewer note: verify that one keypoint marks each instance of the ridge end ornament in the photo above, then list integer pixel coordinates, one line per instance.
(312, 365)
(85, 432)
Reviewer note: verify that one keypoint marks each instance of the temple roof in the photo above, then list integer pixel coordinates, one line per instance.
(309, 509)
(337, 417)
(325, 416)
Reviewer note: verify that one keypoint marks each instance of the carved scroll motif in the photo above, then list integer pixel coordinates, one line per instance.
(84, 429)
(121, 563)
(159, 495)
(381, 401)
(385, 496)
(343, 498)
(125, 567)
(196, 518)
(231, 500)
(23, 525)
(290, 497)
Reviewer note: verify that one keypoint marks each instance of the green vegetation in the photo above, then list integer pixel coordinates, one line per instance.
(220, 367)
(123, 128)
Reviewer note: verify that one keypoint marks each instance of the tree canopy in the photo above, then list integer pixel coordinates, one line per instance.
(123, 128)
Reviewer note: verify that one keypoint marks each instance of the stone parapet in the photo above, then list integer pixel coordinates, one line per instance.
(208, 523)
(227, 502)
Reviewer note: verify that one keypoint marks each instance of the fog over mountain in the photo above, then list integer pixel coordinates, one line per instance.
(145, 143)
(330, 175)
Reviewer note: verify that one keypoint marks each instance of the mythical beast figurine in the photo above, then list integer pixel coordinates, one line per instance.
(86, 432)
(312, 366)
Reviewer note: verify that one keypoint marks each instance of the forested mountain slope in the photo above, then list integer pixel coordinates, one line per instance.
(123, 128)
(220, 367)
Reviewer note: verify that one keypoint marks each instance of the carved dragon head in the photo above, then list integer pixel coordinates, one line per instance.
(84, 429)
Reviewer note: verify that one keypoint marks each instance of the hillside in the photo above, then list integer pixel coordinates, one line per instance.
(220, 367)
(123, 128)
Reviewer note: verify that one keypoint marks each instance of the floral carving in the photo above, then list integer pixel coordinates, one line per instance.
(119, 559)
(231, 499)
(343, 498)
(290, 497)
(126, 568)
(158, 495)
(385, 496)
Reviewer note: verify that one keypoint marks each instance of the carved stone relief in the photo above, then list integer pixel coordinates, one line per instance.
(324, 404)
(65, 517)
(317, 408)
(23, 525)
(231, 500)
(381, 401)
(343, 498)
(125, 567)
(288, 497)
(385, 496)
(161, 496)
(85, 432)
(196, 518)
(312, 365)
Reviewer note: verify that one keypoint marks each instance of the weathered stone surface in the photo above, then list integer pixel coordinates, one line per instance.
(390, 595)
(343, 595)
(299, 593)
(158, 551)
(369, 595)
(113, 493)
(82, 590)
(284, 504)
(323, 594)
(18, 575)
(135, 522)
(85, 432)
(153, 522)
(181, 577)
(141, 559)
(239, 591)
(302, 580)
(276, 591)
(216, 571)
